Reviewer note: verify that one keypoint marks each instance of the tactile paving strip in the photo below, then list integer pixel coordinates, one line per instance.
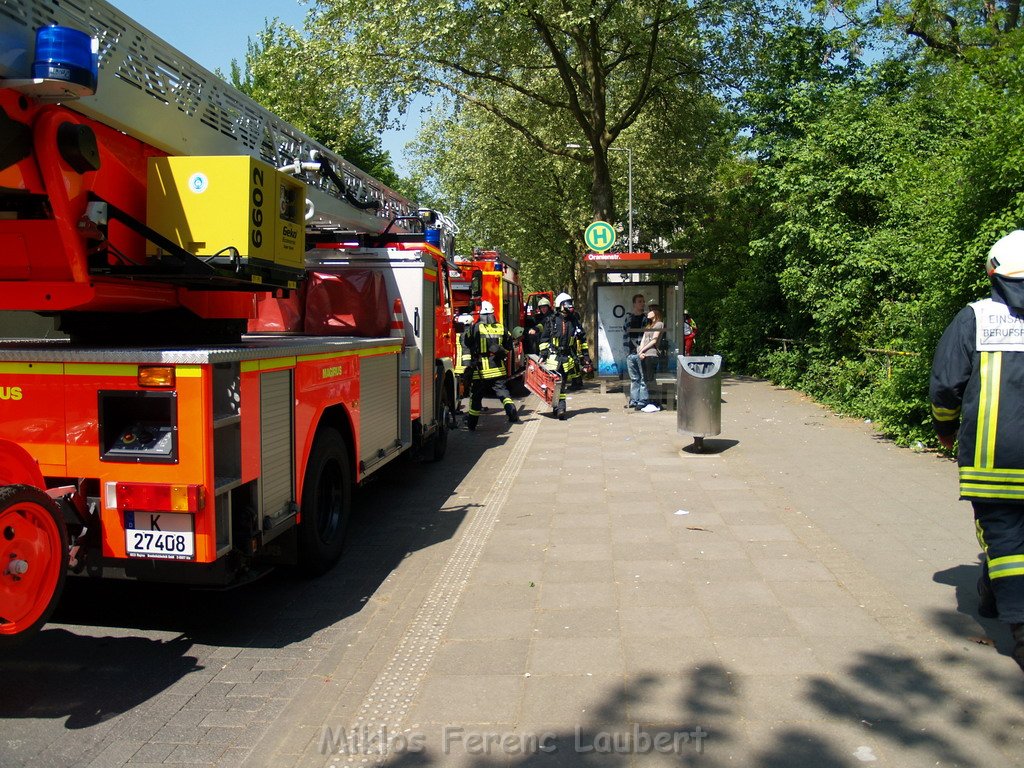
(395, 688)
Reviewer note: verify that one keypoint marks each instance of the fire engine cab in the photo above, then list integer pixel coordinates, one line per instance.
(490, 275)
(214, 326)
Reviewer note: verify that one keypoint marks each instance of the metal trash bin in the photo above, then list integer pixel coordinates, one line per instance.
(699, 397)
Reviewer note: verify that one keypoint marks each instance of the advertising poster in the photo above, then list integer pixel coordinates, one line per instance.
(614, 301)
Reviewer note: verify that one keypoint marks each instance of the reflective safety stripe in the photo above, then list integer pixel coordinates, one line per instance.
(506, 401)
(1011, 565)
(945, 414)
(474, 413)
(986, 483)
(988, 409)
(980, 533)
(987, 491)
(493, 332)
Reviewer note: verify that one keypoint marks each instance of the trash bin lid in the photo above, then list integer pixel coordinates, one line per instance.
(700, 367)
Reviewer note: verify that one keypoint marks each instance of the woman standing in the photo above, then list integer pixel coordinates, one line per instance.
(641, 364)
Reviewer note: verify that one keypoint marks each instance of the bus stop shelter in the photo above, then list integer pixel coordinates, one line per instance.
(612, 280)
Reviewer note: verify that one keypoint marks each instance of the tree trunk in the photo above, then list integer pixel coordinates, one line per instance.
(601, 200)
(602, 204)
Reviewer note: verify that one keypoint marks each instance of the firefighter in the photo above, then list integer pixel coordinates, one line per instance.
(461, 364)
(977, 397)
(581, 353)
(535, 327)
(488, 343)
(558, 345)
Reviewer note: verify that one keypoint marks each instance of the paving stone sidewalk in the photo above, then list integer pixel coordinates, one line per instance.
(801, 594)
(574, 593)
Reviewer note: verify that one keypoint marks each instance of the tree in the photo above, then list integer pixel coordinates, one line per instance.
(505, 193)
(573, 71)
(946, 27)
(277, 74)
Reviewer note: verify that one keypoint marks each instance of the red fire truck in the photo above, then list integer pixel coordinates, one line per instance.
(215, 327)
(490, 275)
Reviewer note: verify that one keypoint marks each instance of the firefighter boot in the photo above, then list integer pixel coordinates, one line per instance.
(560, 410)
(511, 413)
(1018, 644)
(986, 597)
(471, 421)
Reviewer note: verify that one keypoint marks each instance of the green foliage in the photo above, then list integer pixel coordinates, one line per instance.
(876, 194)
(277, 75)
(504, 193)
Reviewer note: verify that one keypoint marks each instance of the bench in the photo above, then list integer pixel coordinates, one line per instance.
(662, 390)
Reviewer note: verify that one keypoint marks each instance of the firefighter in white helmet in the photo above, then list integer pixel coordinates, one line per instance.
(559, 346)
(488, 343)
(462, 363)
(977, 398)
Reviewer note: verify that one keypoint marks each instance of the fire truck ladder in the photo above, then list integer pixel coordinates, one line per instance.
(153, 92)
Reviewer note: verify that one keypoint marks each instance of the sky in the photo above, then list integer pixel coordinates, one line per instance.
(213, 32)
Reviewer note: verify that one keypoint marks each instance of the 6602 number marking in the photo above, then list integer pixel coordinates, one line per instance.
(256, 215)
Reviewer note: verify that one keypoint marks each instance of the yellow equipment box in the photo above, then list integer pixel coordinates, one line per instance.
(214, 206)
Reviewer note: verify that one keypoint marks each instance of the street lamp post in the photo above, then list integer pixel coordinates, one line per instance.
(629, 161)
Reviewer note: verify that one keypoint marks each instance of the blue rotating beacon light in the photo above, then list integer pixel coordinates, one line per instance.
(68, 55)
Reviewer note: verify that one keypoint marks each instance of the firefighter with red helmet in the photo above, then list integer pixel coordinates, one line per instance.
(977, 398)
(558, 345)
(488, 343)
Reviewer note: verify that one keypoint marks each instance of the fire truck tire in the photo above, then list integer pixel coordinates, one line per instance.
(439, 442)
(326, 503)
(34, 556)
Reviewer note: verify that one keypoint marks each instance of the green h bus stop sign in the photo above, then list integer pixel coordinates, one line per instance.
(600, 236)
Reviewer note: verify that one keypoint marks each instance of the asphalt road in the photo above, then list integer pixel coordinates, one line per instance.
(150, 673)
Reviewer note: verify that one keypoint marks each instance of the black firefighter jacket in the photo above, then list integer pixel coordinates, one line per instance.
(977, 387)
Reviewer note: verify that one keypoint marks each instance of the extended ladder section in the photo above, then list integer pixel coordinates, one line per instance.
(156, 94)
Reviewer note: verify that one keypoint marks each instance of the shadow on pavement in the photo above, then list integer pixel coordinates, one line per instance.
(711, 446)
(105, 677)
(571, 413)
(113, 662)
(965, 622)
(879, 708)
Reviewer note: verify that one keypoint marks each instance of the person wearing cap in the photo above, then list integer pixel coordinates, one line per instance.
(977, 399)
(488, 343)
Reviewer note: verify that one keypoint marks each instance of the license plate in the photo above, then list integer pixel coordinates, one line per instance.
(159, 535)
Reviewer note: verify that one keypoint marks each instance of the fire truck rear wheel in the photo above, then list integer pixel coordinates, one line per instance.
(326, 503)
(34, 559)
(439, 442)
